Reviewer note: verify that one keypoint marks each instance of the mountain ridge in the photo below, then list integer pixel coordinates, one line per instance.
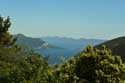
(34, 43)
(71, 42)
(117, 46)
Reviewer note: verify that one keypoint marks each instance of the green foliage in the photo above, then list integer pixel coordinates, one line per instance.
(99, 66)
(5, 37)
(16, 64)
(116, 45)
(18, 67)
(91, 66)
(64, 73)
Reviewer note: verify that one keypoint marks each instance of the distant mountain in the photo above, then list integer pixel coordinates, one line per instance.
(70, 43)
(69, 47)
(35, 43)
(116, 45)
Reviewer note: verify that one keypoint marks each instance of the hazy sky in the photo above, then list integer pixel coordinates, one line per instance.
(102, 19)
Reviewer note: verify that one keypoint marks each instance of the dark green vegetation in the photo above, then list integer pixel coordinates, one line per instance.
(17, 65)
(91, 66)
(5, 37)
(117, 46)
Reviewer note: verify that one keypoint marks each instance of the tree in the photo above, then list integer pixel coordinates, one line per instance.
(19, 66)
(6, 39)
(99, 66)
(91, 66)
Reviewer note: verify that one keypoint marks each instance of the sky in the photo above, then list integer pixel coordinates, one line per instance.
(97, 19)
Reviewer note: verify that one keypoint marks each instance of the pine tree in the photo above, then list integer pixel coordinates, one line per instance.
(6, 39)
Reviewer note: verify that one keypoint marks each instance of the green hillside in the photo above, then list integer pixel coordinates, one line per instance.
(28, 41)
(117, 46)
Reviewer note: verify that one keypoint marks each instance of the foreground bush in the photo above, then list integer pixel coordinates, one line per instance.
(91, 66)
(17, 67)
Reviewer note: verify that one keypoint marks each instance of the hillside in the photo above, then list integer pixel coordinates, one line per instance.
(34, 43)
(116, 45)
